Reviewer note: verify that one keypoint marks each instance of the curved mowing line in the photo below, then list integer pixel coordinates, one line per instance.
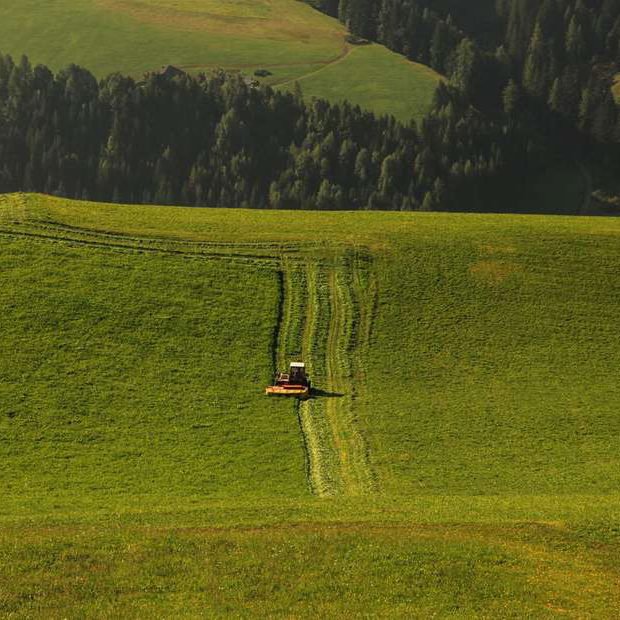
(333, 338)
(324, 475)
(143, 246)
(268, 248)
(342, 346)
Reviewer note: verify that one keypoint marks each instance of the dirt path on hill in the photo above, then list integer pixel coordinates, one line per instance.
(252, 65)
(324, 65)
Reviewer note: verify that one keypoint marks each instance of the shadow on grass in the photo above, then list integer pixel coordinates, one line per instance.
(317, 393)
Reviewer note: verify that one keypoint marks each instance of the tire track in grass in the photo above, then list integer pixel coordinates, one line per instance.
(321, 305)
(325, 477)
(327, 316)
(323, 65)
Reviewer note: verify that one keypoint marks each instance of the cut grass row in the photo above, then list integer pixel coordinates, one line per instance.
(342, 356)
(317, 326)
(325, 476)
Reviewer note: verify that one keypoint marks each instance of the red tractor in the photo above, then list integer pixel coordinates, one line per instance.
(292, 383)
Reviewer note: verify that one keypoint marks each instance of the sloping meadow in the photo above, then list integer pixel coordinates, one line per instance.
(464, 424)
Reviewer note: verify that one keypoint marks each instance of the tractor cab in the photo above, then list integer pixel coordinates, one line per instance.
(297, 373)
(295, 382)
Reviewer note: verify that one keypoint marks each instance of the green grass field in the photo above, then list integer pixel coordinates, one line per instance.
(460, 459)
(287, 37)
(383, 81)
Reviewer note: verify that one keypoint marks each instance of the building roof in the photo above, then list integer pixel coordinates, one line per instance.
(170, 71)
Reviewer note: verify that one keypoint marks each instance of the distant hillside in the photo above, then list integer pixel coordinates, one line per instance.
(286, 38)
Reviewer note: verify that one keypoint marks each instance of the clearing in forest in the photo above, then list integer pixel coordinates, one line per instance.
(289, 38)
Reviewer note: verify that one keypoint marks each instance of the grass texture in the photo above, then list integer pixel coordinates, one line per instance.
(459, 459)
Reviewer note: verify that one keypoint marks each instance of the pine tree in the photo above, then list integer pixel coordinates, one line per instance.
(428, 204)
(575, 43)
(511, 98)
(466, 63)
(536, 69)
(605, 117)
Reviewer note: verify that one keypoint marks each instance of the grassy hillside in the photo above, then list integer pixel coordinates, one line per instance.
(287, 37)
(398, 86)
(460, 457)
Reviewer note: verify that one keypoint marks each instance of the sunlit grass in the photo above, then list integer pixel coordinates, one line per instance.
(143, 472)
(287, 37)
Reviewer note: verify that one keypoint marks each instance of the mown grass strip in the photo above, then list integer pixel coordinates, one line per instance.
(325, 477)
(341, 360)
(338, 462)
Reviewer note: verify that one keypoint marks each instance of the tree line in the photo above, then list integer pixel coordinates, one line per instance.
(214, 140)
(539, 58)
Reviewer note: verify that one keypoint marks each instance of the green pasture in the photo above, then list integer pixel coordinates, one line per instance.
(287, 37)
(397, 86)
(97, 390)
(134, 37)
(465, 436)
(308, 571)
